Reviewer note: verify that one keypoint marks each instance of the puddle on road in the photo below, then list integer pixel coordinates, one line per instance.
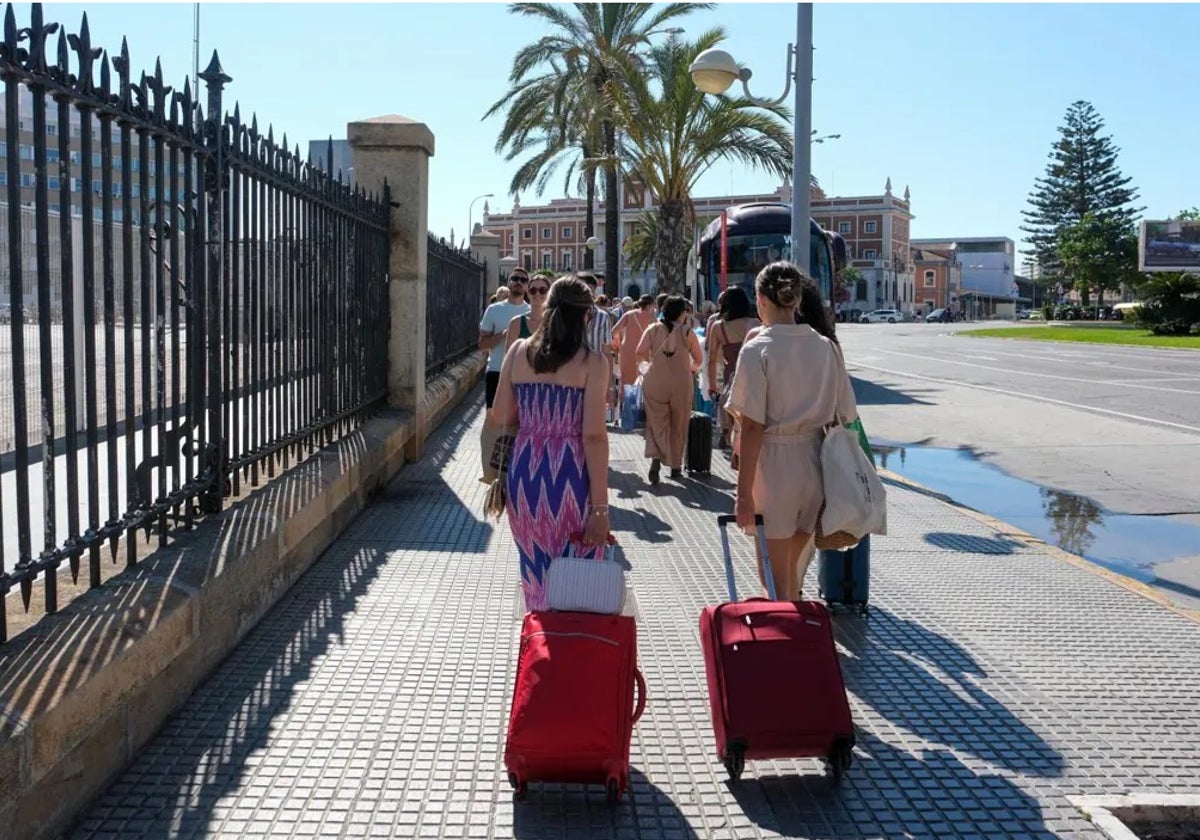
(1130, 544)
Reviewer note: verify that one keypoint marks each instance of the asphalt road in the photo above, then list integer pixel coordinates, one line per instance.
(1117, 425)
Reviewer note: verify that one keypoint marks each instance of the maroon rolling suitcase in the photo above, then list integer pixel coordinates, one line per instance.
(774, 681)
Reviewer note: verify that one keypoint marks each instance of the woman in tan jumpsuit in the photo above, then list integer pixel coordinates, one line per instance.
(674, 355)
(791, 383)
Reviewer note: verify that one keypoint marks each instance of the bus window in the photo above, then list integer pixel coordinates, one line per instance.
(821, 267)
(751, 254)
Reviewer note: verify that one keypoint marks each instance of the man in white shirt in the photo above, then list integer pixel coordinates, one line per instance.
(494, 327)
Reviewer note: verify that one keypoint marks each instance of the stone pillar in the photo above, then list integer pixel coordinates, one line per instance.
(398, 149)
(486, 247)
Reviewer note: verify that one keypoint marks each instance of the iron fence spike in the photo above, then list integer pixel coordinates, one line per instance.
(105, 76)
(38, 30)
(11, 33)
(63, 64)
(214, 74)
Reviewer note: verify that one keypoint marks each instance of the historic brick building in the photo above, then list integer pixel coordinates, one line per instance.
(876, 230)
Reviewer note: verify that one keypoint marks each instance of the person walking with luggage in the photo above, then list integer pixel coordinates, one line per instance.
(627, 334)
(674, 354)
(725, 337)
(558, 471)
(789, 384)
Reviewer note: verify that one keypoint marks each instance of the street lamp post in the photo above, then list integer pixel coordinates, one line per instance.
(714, 71)
(471, 214)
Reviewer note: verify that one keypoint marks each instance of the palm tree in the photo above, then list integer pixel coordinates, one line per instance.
(551, 115)
(642, 245)
(595, 43)
(675, 134)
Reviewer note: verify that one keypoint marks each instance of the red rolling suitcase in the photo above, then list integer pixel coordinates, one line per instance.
(774, 681)
(573, 706)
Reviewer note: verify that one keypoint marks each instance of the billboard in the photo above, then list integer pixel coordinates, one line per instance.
(1169, 246)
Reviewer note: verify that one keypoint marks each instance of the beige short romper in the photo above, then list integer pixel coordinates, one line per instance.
(792, 380)
(787, 486)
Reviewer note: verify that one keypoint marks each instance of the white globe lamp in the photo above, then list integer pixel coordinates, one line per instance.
(714, 71)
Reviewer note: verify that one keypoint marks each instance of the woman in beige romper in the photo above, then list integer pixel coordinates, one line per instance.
(790, 383)
(674, 355)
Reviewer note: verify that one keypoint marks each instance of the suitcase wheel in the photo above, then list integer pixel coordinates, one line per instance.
(735, 762)
(520, 789)
(840, 760)
(612, 793)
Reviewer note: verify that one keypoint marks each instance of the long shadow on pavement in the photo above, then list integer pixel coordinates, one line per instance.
(924, 690)
(447, 521)
(869, 393)
(928, 685)
(891, 793)
(206, 744)
(579, 811)
(201, 753)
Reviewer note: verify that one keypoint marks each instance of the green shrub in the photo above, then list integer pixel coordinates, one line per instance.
(1173, 326)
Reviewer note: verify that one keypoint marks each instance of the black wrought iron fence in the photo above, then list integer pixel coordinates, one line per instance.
(453, 306)
(188, 301)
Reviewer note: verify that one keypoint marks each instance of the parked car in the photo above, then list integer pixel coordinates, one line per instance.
(942, 316)
(891, 316)
(1125, 311)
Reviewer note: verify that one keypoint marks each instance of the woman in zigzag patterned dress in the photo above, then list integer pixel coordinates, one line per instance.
(555, 389)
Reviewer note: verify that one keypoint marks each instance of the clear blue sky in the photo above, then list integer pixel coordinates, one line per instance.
(958, 102)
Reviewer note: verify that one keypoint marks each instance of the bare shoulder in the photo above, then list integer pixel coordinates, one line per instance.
(595, 363)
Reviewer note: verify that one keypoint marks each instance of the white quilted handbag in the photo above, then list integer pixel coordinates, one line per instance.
(579, 584)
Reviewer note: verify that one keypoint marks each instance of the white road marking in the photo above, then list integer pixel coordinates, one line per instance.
(1093, 363)
(1105, 365)
(1048, 375)
(1036, 398)
(1153, 379)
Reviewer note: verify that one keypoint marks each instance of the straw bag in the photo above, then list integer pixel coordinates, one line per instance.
(837, 541)
(494, 502)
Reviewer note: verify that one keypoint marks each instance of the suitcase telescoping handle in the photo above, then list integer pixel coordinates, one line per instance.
(723, 522)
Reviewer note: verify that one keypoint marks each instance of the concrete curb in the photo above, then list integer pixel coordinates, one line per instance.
(85, 689)
(1011, 531)
(1108, 813)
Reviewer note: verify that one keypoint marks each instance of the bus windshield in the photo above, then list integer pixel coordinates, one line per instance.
(748, 255)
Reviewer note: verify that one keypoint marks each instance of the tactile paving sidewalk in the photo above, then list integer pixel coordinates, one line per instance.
(990, 683)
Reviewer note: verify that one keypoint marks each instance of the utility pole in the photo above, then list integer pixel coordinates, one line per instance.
(196, 49)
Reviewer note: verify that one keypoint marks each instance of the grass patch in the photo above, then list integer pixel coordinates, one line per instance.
(1091, 335)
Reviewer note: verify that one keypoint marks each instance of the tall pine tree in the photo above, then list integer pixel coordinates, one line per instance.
(1082, 178)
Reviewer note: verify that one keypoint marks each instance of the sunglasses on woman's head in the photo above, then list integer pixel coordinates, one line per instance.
(539, 290)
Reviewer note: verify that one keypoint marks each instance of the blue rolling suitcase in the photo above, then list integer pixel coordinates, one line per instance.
(845, 577)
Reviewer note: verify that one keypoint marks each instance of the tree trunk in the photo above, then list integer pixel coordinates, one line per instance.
(671, 250)
(589, 219)
(612, 214)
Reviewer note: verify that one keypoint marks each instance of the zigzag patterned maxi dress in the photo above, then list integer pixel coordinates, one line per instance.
(547, 481)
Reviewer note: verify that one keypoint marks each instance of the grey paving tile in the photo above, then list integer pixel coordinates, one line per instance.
(990, 683)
